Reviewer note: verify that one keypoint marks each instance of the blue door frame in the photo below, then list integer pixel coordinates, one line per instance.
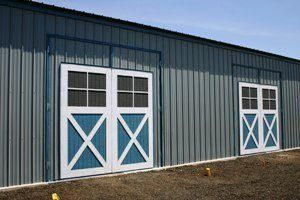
(48, 130)
(259, 70)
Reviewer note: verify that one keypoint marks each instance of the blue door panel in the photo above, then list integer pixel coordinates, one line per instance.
(99, 140)
(74, 141)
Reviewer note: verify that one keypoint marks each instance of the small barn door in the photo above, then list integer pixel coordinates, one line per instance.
(259, 131)
(132, 120)
(270, 117)
(85, 120)
(249, 118)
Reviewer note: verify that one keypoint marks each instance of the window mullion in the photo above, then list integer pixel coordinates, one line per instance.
(87, 90)
(133, 90)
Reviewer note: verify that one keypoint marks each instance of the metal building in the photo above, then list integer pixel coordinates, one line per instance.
(82, 94)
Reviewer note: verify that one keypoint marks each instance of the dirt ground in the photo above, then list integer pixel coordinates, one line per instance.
(269, 176)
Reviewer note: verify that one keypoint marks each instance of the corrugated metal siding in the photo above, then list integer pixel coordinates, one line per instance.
(4, 93)
(200, 118)
(22, 79)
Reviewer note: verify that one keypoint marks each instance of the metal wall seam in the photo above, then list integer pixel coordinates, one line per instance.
(14, 98)
(4, 91)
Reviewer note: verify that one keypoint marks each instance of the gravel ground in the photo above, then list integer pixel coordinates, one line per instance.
(268, 176)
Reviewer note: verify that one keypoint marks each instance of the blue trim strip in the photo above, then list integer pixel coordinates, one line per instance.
(47, 141)
(102, 43)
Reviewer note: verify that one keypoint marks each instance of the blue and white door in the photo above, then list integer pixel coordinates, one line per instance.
(132, 120)
(259, 131)
(249, 118)
(106, 120)
(269, 115)
(85, 120)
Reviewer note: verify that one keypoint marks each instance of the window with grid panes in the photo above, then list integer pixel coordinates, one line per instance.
(86, 89)
(249, 98)
(269, 99)
(132, 91)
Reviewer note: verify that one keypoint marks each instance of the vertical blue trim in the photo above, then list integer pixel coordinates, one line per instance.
(111, 56)
(47, 150)
(160, 108)
(281, 112)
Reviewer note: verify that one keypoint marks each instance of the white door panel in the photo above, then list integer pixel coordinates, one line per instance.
(259, 131)
(85, 126)
(98, 134)
(132, 127)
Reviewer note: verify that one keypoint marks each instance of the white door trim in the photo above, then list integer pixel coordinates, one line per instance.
(66, 112)
(276, 117)
(256, 112)
(116, 115)
(112, 114)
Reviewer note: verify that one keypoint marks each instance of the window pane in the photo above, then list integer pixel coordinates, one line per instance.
(266, 104)
(245, 92)
(77, 79)
(125, 83)
(97, 81)
(253, 103)
(253, 92)
(246, 104)
(140, 100)
(76, 97)
(273, 105)
(125, 99)
(97, 99)
(141, 84)
(265, 93)
(272, 94)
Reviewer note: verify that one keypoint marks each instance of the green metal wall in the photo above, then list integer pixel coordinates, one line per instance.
(199, 87)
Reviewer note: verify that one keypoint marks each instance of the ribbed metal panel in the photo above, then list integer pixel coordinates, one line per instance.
(4, 93)
(199, 88)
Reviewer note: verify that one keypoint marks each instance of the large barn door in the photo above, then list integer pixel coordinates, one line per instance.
(106, 120)
(85, 120)
(132, 120)
(259, 131)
